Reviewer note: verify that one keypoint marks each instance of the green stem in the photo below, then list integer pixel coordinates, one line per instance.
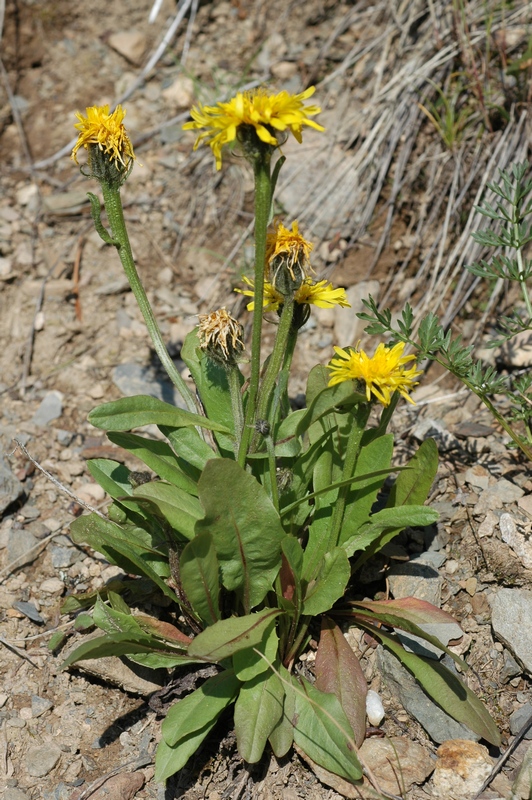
(281, 393)
(115, 214)
(521, 267)
(263, 194)
(235, 390)
(360, 419)
(273, 470)
(276, 359)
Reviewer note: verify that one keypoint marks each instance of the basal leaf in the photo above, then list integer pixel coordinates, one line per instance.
(228, 636)
(329, 584)
(383, 526)
(454, 696)
(134, 412)
(111, 475)
(413, 485)
(246, 529)
(180, 509)
(191, 450)
(200, 577)
(321, 730)
(338, 671)
(120, 644)
(158, 456)
(250, 663)
(193, 712)
(258, 709)
(282, 736)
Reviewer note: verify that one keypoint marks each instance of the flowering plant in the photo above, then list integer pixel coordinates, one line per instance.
(249, 577)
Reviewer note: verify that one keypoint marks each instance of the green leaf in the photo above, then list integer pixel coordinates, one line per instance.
(56, 640)
(112, 476)
(258, 709)
(413, 485)
(127, 546)
(184, 730)
(282, 736)
(375, 455)
(180, 509)
(329, 399)
(134, 412)
(384, 525)
(228, 636)
(120, 644)
(246, 529)
(199, 570)
(193, 712)
(321, 730)
(192, 451)
(338, 671)
(453, 696)
(250, 663)
(158, 456)
(329, 584)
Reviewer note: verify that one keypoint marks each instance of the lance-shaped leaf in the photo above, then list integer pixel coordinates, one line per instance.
(179, 508)
(228, 636)
(322, 730)
(134, 412)
(451, 694)
(413, 485)
(158, 456)
(330, 583)
(127, 644)
(338, 671)
(384, 526)
(246, 529)
(190, 720)
(111, 475)
(258, 709)
(256, 660)
(282, 736)
(199, 570)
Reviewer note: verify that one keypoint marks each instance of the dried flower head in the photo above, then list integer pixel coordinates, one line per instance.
(266, 113)
(384, 373)
(220, 335)
(107, 131)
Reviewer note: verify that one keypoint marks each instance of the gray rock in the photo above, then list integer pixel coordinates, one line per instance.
(15, 794)
(42, 758)
(29, 611)
(443, 631)
(511, 615)
(435, 429)
(63, 557)
(134, 379)
(20, 543)
(10, 486)
(416, 579)
(510, 667)
(439, 725)
(521, 717)
(39, 705)
(50, 408)
(496, 496)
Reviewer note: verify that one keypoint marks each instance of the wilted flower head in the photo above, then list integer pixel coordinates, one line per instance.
(384, 373)
(266, 113)
(220, 335)
(287, 258)
(107, 131)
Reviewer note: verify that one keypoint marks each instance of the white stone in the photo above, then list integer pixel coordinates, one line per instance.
(180, 94)
(374, 708)
(130, 44)
(52, 586)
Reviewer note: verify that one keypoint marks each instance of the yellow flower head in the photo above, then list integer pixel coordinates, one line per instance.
(289, 249)
(221, 336)
(266, 113)
(107, 131)
(314, 293)
(383, 374)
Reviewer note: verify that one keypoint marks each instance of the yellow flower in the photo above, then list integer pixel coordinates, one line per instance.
(220, 335)
(256, 108)
(314, 293)
(105, 130)
(272, 298)
(383, 374)
(321, 294)
(288, 248)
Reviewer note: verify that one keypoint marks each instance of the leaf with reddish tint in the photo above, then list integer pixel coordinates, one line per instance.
(451, 694)
(164, 630)
(228, 636)
(338, 671)
(199, 570)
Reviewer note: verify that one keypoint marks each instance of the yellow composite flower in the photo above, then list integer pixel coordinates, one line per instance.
(315, 293)
(288, 247)
(105, 130)
(267, 113)
(384, 373)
